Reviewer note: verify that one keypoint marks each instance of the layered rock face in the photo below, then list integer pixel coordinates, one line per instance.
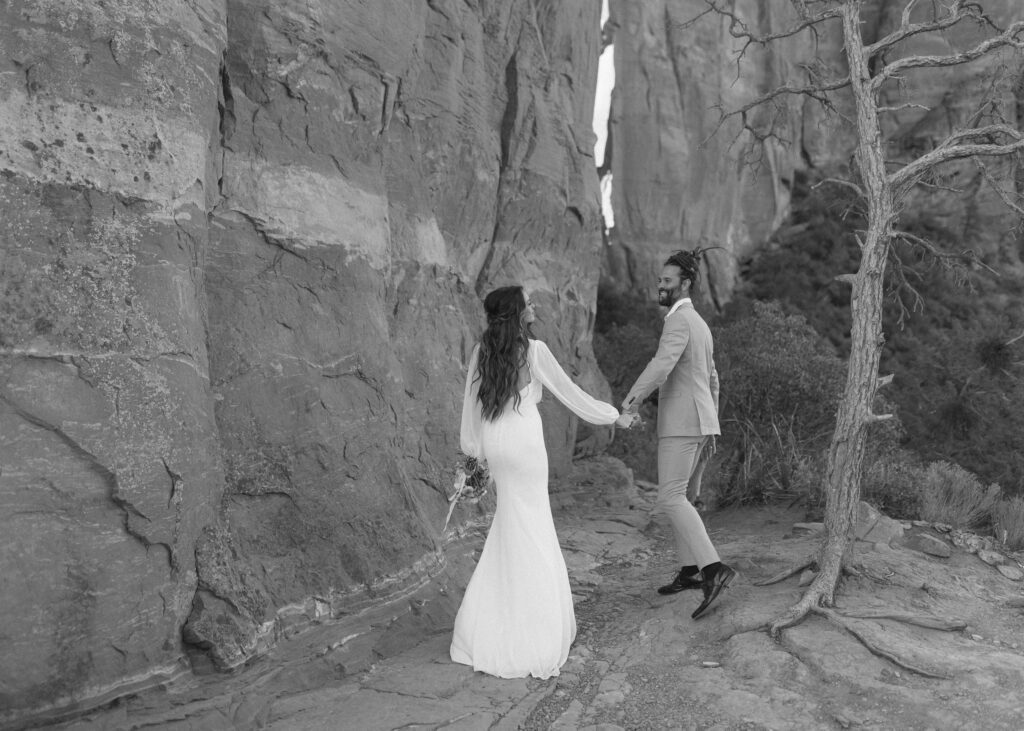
(244, 245)
(682, 180)
(680, 176)
(110, 456)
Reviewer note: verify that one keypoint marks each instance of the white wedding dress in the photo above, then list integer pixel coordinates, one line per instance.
(517, 618)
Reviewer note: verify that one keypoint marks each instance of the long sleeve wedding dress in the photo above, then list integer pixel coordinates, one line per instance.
(516, 618)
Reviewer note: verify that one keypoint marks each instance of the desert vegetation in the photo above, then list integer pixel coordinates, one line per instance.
(952, 454)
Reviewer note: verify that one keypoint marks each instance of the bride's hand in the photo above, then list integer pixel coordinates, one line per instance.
(626, 420)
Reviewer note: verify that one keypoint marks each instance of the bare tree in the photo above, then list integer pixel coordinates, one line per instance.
(874, 72)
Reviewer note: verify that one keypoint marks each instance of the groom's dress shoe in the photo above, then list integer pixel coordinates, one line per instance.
(712, 585)
(681, 583)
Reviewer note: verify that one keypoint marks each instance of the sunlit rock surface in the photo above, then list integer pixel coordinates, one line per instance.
(244, 245)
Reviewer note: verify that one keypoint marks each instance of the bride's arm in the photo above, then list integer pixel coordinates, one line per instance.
(471, 414)
(547, 370)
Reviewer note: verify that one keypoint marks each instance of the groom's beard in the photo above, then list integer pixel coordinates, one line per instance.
(666, 298)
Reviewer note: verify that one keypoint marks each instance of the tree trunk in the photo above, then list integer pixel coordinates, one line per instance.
(846, 452)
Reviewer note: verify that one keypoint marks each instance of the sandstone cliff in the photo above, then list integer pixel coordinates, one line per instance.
(243, 249)
(681, 181)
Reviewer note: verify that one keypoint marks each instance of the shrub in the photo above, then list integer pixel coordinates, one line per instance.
(781, 384)
(775, 368)
(958, 381)
(1008, 521)
(951, 494)
(892, 484)
(765, 464)
(626, 332)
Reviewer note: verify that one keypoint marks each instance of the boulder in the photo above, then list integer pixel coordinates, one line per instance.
(874, 527)
(929, 544)
(992, 558)
(969, 541)
(1011, 571)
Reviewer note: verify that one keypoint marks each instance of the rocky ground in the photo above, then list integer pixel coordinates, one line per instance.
(640, 662)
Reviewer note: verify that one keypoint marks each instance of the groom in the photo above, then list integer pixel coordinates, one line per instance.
(683, 371)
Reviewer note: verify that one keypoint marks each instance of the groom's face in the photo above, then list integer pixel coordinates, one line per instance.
(671, 285)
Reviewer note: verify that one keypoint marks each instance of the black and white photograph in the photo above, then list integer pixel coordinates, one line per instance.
(511, 365)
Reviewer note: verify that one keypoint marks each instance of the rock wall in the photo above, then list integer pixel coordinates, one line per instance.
(243, 249)
(680, 180)
(110, 459)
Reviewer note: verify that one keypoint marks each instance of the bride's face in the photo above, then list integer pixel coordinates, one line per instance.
(529, 312)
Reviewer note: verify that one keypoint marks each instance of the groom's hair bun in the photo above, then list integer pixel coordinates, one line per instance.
(687, 261)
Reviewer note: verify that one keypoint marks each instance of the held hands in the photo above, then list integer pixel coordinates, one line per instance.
(628, 419)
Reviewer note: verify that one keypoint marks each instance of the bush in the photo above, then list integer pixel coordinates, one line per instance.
(1008, 521)
(775, 368)
(780, 385)
(950, 494)
(958, 381)
(626, 332)
(892, 484)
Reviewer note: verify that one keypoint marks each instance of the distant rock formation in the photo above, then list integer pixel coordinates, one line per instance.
(678, 180)
(244, 245)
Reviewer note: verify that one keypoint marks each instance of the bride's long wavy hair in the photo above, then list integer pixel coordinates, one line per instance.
(503, 349)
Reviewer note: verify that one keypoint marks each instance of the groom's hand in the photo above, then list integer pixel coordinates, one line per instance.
(628, 419)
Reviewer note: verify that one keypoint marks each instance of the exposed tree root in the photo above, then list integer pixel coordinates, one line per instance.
(853, 626)
(809, 562)
(819, 599)
(816, 595)
(920, 620)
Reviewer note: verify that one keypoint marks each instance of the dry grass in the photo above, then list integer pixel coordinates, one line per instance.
(1008, 520)
(950, 494)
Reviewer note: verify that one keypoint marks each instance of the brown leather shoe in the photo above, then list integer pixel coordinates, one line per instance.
(712, 585)
(682, 582)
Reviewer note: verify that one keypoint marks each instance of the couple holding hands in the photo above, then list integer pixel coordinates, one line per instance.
(516, 618)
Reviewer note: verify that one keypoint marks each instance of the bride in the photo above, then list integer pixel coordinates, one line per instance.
(516, 618)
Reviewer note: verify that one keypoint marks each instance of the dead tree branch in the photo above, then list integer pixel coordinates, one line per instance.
(839, 181)
(963, 257)
(1012, 36)
(818, 92)
(1005, 197)
(739, 30)
(957, 12)
(955, 147)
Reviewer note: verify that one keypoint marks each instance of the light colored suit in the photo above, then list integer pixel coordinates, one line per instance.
(683, 371)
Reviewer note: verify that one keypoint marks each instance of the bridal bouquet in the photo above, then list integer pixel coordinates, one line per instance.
(471, 480)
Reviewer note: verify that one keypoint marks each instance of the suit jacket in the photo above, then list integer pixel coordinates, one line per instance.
(683, 370)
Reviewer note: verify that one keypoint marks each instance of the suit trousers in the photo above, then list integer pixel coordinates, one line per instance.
(679, 465)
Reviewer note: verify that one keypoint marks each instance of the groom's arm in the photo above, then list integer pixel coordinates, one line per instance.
(714, 385)
(674, 338)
